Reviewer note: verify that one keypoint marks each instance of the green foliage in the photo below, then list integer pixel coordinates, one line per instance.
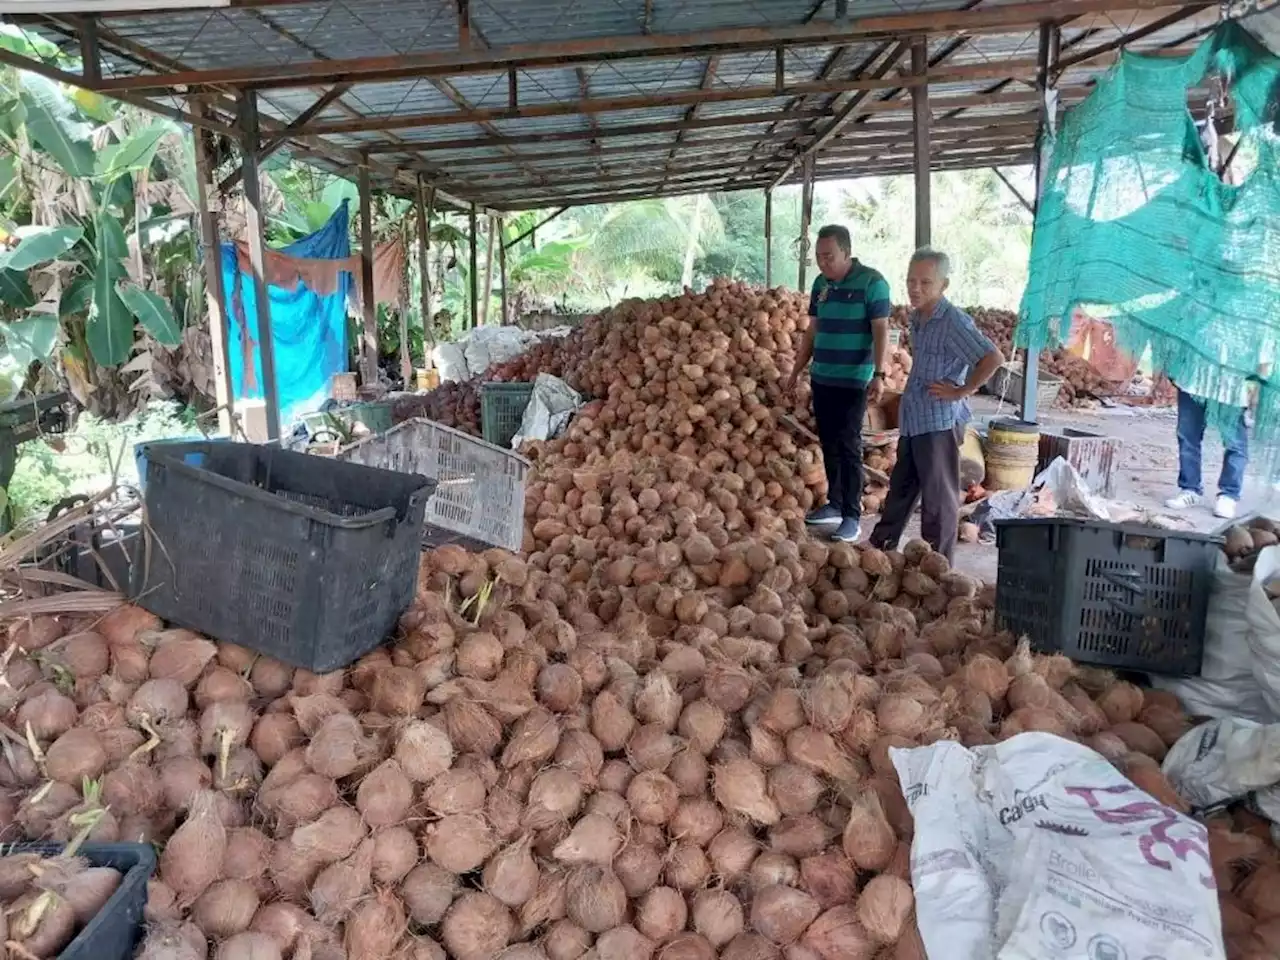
(80, 157)
(50, 125)
(39, 245)
(15, 290)
(84, 460)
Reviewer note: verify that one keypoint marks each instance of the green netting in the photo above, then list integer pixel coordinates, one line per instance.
(1136, 227)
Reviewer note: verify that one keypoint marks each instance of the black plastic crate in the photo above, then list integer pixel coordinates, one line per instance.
(116, 930)
(1114, 595)
(307, 559)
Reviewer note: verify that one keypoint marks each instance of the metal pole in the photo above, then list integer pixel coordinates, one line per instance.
(920, 124)
(1050, 44)
(368, 305)
(255, 220)
(215, 296)
(424, 271)
(488, 273)
(474, 277)
(768, 238)
(502, 274)
(806, 215)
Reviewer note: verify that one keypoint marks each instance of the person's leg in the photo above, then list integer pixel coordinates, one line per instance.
(1190, 437)
(904, 491)
(827, 413)
(938, 465)
(1235, 457)
(854, 410)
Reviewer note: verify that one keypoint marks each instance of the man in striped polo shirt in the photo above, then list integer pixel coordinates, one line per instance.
(847, 340)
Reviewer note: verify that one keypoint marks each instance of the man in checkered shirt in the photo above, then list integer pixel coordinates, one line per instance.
(950, 360)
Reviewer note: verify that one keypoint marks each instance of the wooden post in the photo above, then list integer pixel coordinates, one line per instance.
(255, 221)
(488, 273)
(920, 126)
(806, 216)
(1048, 61)
(502, 274)
(424, 267)
(474, 273)
(215, 296)
(368, 305)
(768, 238)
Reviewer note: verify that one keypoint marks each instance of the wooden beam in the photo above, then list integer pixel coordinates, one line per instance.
(768, 238)
(616, 130)
(280, 139)
(535, 228)
(464, 24)
(488, 272)
(426, 207)
(502, 273)
(574, 157)
(368, 303)
(920, 140)
(215, 295)
(90, 56)
(1027, 204)
(708, 77)
(467, 58)
(521, 202)
(255, 217)
(806, 218)
(473, 274)
(1050, 50)
(1024, 69)
(422, 216)
(1119, 43)
(593, 123)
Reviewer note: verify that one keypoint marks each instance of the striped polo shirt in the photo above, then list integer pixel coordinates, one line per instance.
(843, 354)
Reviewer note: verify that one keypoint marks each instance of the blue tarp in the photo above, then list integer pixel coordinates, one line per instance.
(309, 331)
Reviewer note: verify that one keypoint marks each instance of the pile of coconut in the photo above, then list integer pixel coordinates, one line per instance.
(559, 767)
(662, 731)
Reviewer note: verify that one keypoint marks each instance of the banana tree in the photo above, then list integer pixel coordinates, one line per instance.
(76, 181)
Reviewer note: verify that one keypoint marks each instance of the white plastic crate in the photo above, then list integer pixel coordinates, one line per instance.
(480, 491)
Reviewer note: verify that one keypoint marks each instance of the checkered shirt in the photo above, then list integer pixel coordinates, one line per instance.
(943, 347)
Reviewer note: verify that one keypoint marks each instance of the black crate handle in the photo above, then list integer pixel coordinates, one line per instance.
(1130, 580)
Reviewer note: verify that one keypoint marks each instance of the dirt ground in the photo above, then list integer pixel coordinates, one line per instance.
(1146, 474)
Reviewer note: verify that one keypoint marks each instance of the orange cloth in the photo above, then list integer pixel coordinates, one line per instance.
(321, 276)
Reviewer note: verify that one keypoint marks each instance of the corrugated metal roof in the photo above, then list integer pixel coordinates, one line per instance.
(678, 113)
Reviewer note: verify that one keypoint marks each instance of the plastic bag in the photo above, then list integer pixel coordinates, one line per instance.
(450, 360)
(1038, 849)
(486, 346)
(1224, 760)
(550, 408)
(1264, 628)
(1227, 686)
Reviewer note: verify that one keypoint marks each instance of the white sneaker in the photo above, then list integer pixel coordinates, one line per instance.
(1224, 508)
(1183, 500)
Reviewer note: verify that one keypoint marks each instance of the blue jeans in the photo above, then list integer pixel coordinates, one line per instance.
(1235, 456)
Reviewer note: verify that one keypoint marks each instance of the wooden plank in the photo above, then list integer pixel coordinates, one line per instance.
(368, 305)
(256, 219)
(920, 141)
(215, 295)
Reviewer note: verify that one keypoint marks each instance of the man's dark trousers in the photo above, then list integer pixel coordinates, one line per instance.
(928, 470)
(839, 412)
